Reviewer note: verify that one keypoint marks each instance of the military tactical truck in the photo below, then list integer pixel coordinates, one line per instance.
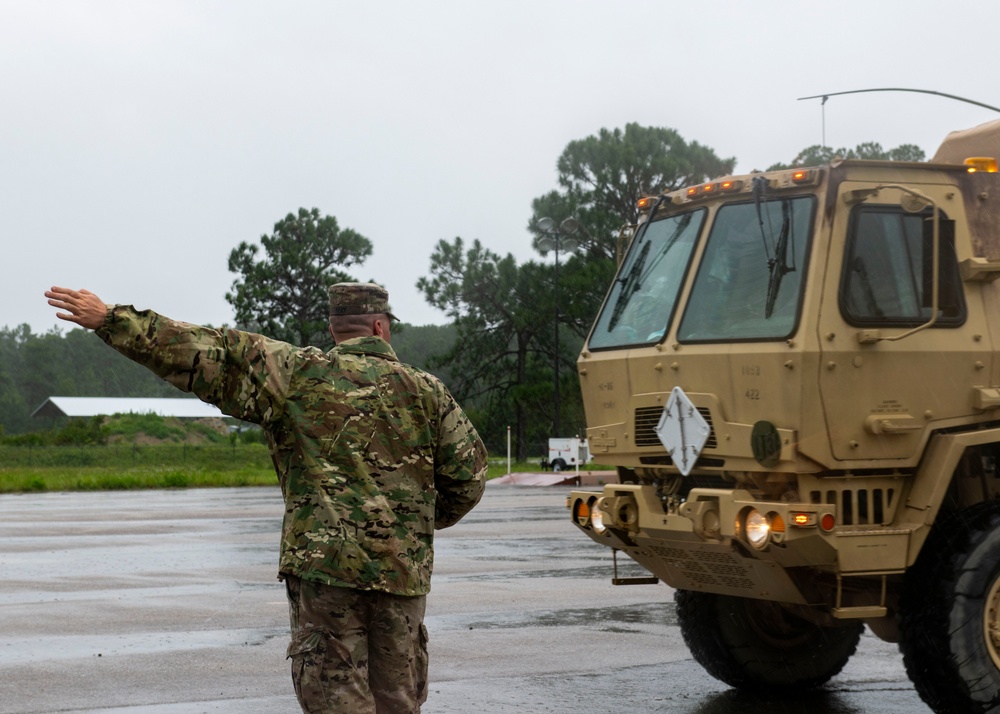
(796, 373)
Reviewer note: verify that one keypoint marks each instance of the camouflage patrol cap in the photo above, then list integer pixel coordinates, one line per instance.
(359, 299)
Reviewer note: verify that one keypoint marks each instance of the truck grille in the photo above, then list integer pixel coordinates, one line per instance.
(707, 568)
(860, 506)
(646, 419)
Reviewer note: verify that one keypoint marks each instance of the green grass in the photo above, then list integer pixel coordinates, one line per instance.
(99, 479)
(25, 469)
(128, 466)
(146, 452)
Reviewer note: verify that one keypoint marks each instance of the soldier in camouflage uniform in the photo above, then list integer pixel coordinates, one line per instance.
(372, 456)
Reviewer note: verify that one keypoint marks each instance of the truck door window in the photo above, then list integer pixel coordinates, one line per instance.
(887, 278)
(641, 302)
(749, 282)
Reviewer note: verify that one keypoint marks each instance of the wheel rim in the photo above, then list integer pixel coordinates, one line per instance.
(991, 622)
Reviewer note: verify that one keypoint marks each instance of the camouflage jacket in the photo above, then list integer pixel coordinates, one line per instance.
(372, 455)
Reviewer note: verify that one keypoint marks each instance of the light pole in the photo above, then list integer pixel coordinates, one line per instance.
(553, 239)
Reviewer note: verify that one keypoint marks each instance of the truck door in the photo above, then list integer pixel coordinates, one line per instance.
(881, 393)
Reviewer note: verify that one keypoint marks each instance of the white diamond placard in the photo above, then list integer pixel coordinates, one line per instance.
(682, 430)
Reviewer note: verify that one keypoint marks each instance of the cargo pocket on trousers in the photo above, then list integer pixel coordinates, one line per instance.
(307, 650)
(422, 665)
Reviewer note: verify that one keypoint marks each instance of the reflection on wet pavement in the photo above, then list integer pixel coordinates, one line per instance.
(166, 603)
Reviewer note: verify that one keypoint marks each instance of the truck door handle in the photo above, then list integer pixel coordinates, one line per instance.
(892, 424)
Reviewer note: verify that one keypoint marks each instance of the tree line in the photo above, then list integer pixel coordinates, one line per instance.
(509, 335)
(34, 367)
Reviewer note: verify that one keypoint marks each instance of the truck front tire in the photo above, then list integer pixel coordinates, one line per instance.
(950, 614)
(755, 644)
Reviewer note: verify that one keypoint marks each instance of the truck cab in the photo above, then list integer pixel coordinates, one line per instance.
(795, 374)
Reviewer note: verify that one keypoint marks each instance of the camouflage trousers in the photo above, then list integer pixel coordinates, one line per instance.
(356, 651)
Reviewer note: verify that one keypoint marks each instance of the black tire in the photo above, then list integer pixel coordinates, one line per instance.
(558, 465)
(948, 595)
(754, 644)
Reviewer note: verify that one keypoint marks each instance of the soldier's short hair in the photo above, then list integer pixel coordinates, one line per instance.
(352, 323)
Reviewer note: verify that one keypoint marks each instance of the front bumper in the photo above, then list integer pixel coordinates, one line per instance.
(706, 544)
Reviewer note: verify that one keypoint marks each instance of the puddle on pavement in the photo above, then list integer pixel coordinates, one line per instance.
(614, 619)
(522, 550)
(587, 566)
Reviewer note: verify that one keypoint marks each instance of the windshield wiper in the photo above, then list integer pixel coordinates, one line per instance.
(630, 285)
(778, 265)
(639, 273)
(632, 281)
(759, 196)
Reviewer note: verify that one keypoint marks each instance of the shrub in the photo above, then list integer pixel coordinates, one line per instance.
(131, 425)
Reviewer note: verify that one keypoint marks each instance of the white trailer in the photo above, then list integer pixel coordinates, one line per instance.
(567, 452)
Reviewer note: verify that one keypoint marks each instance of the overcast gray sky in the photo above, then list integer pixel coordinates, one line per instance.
(142, 141)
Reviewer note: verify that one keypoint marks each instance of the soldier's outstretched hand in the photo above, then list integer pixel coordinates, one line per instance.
(83, 307)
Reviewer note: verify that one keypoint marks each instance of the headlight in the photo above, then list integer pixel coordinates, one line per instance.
(597, 518)
(757, 529)
(588, 515)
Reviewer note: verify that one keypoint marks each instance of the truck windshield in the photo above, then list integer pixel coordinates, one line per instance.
(642, 299)
(749, 281)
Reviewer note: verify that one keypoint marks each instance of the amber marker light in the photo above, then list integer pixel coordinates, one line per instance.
(802, 176)
(644, 203)
(692, 192)
(728, 186)
(581, 512)
(803, 519)
(777, 524)
(981, 164)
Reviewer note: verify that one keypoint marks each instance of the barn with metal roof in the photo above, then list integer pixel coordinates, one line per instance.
(106, 406)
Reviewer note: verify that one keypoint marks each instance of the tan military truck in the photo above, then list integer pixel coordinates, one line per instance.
(796, 374)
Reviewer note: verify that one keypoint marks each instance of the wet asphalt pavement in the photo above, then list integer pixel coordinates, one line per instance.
(165, 602)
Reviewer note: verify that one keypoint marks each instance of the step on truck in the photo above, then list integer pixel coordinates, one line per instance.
(796, 375)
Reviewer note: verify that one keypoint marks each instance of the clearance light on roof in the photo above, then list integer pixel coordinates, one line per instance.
(795, 178)
(804, 176)
(983, 164)
(704, 190)
(645, 203)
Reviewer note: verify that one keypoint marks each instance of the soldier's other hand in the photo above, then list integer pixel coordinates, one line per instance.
(82, 306)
